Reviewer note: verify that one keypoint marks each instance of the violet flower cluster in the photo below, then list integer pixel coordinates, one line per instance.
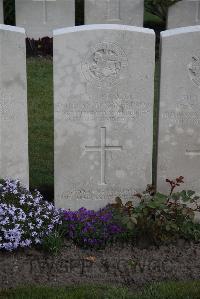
(25, 218)
(88, 228)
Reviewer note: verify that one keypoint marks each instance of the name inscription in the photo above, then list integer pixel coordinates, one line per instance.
(111, 110)
(98, 194)
(190, 117)
(186, 111)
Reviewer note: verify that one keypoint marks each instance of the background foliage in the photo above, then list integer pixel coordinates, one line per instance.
(159, 8)
(9, 12)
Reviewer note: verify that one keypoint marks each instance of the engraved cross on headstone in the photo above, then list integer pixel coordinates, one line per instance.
(44, 8)
(113, 10)
(103, 148)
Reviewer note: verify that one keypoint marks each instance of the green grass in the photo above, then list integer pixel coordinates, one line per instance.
(155, 120)
(40, 106)
(83, 292)
(170, 290)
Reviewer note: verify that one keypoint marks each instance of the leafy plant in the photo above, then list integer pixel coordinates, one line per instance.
(54, 241)
(125, 213)
(163, 218)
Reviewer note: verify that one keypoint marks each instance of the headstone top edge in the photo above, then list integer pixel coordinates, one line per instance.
(180, 30)
(102, 27)
(12, 28)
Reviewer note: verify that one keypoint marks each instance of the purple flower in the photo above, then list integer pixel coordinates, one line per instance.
(25, 218)
(91, 228)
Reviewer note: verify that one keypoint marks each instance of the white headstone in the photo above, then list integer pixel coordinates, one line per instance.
(103, 84)
(41, 17)
(13, 105)
(128, 12)
(184, 13)
(1, 12)
(179, 124)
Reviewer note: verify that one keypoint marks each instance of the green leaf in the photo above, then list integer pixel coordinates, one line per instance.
(125, 219)
(176, 196)
(133, 219)
(130, 225)
(160, 197)
(152, 205)
(184, 196)
(190, 192)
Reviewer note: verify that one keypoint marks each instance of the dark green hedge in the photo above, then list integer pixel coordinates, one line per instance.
(9, 12)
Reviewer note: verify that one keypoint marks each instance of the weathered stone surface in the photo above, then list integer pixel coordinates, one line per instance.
(179, 124)
(1, 12)
(126, 12)
(13, 105)
(184, 13)
(41, 17)
(103, 83)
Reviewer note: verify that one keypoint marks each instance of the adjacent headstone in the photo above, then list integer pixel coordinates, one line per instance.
(179, 124)
(13, 105)
(103, 84)
(184, 13)
(128, 12)
(1, 12)
(41, 17)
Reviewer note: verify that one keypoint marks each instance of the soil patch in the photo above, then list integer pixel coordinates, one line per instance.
(117, 265)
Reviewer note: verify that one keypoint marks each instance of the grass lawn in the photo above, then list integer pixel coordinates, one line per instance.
(171, 290)
(40, 107)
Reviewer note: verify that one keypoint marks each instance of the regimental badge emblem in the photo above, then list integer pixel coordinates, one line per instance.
(194, 70)
(105, 65)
